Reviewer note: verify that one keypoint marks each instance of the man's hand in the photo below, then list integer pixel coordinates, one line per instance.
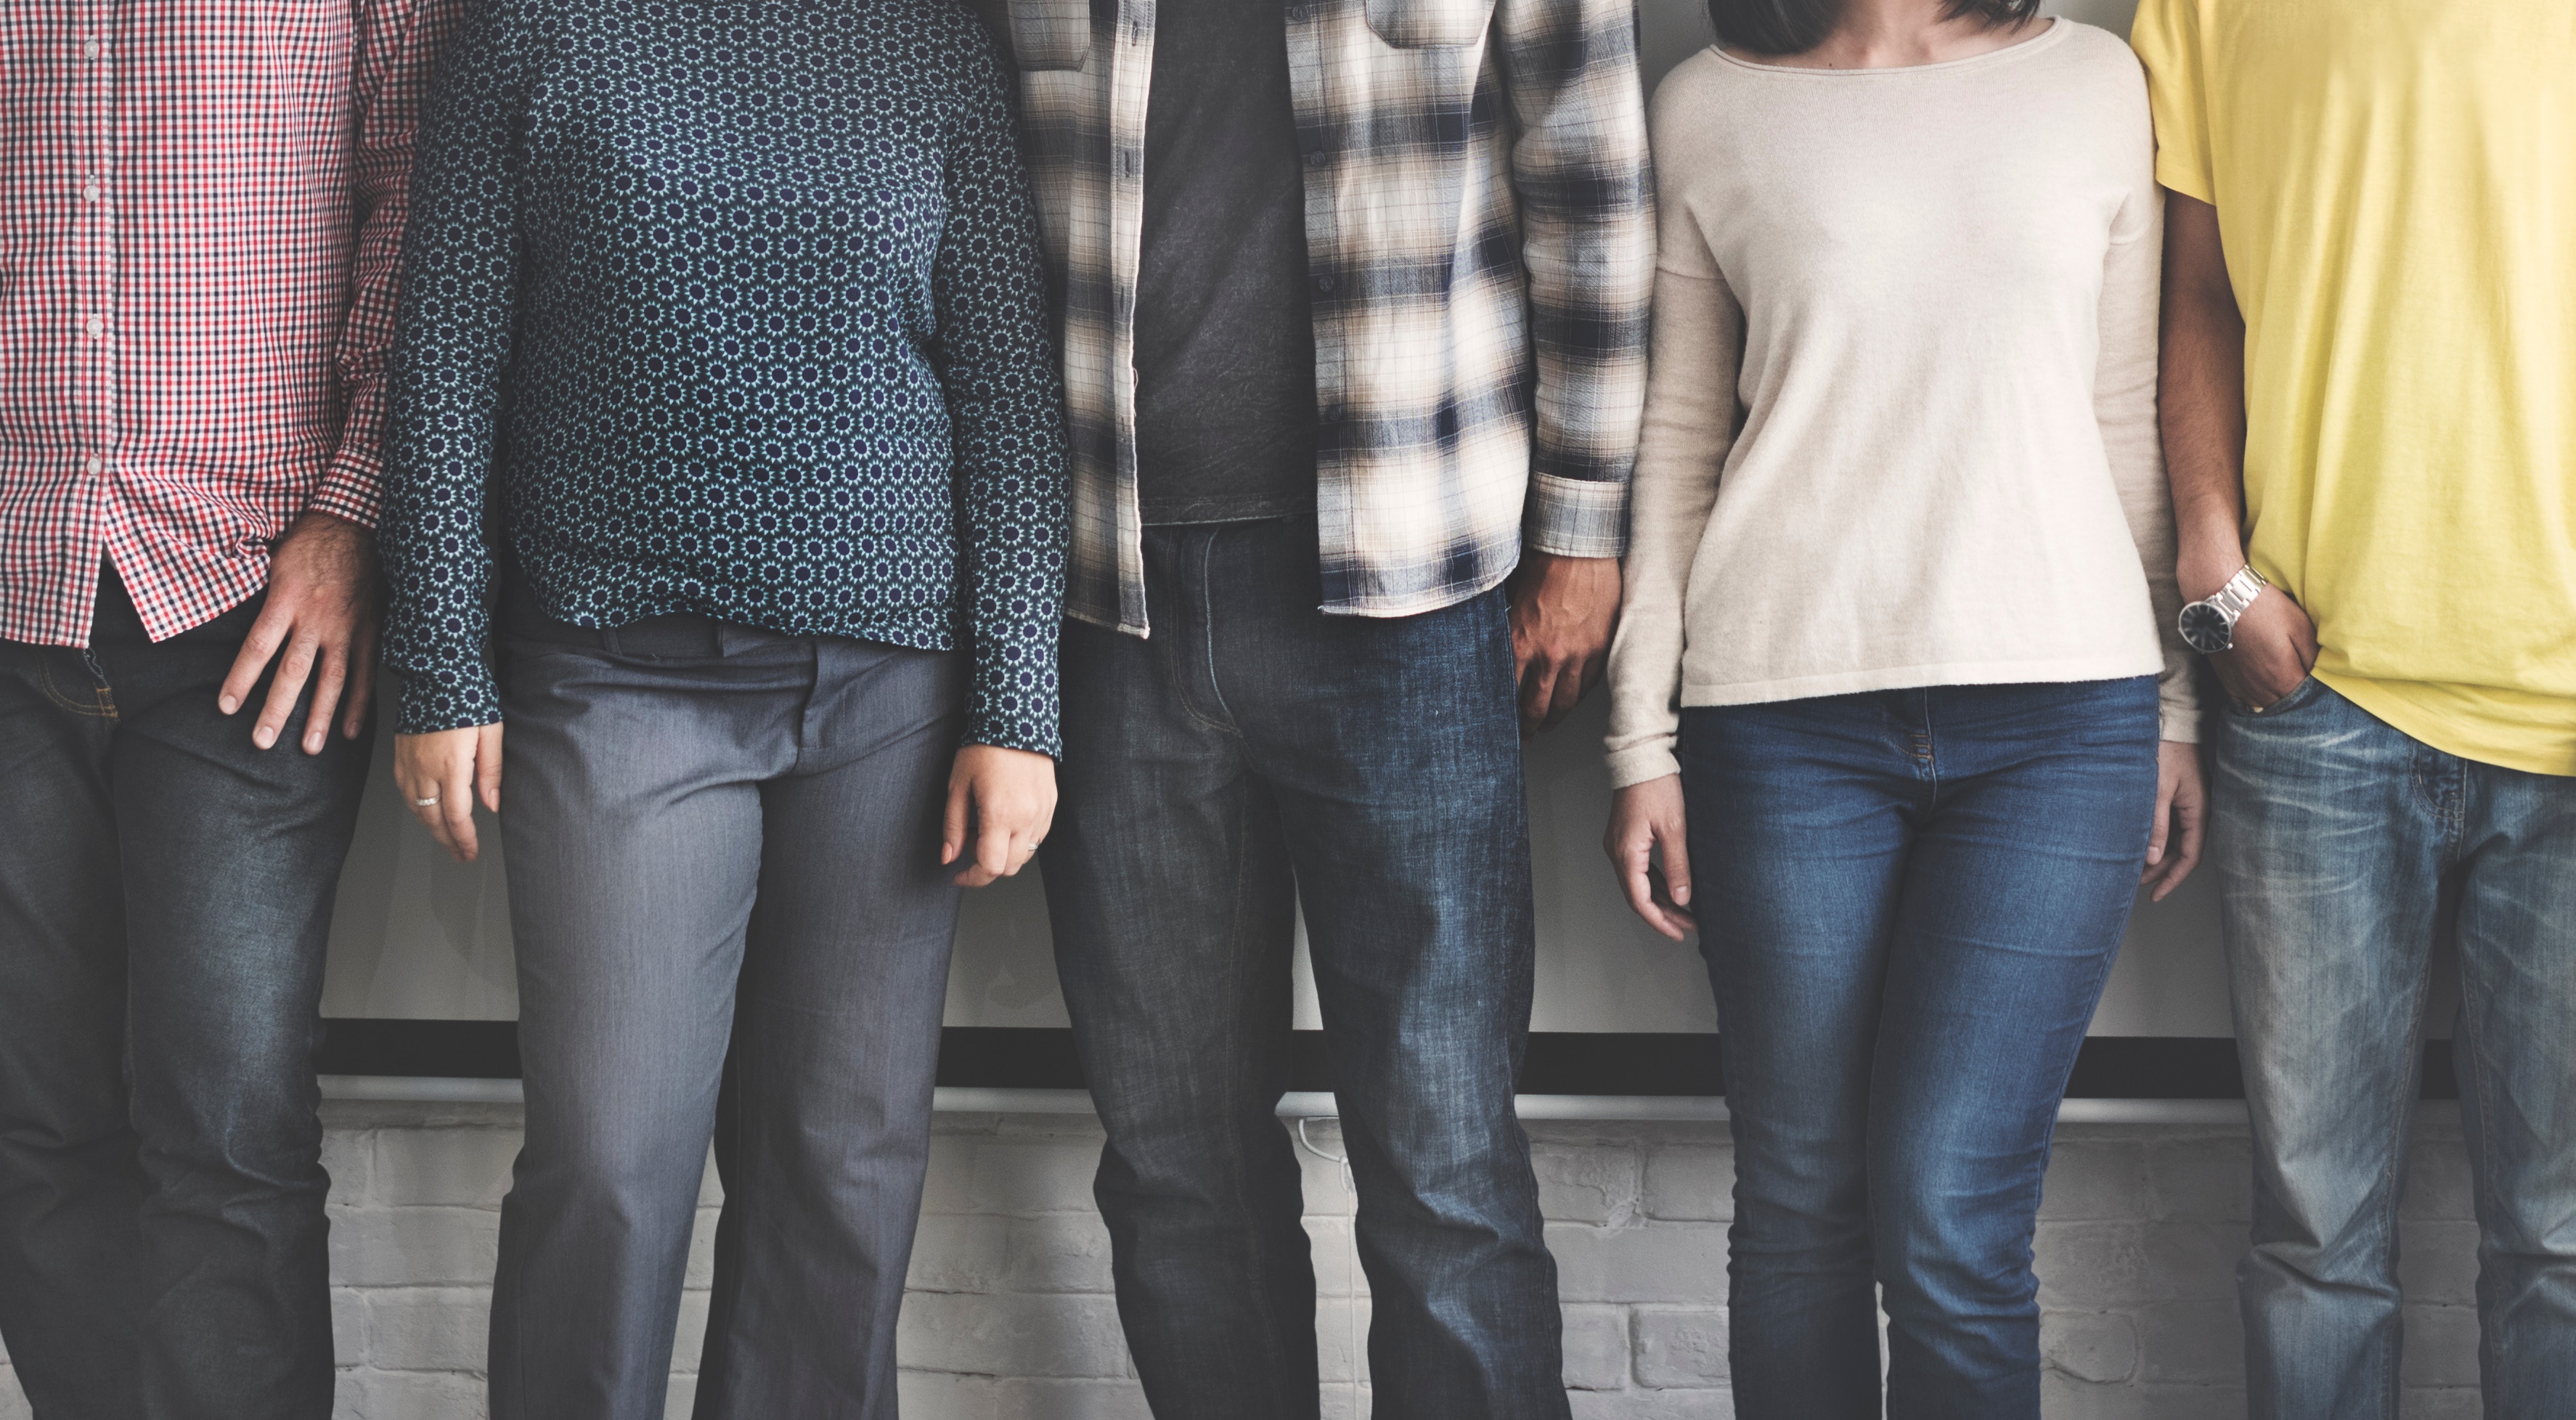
(322, 610)
(2276, 647)
(2275, 642)
(1562, 611)
(1000, 802)
(2182, 817)
(1647, 821)
(441, 774)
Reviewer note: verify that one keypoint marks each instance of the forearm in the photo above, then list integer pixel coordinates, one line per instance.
(398, 42)
(2201, 405)
(1586, 200)
(1689, 427)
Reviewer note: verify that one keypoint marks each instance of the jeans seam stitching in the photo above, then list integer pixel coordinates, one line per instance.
(101, 707)
(2491, 1338)
(1207, 626)
(1234, 1050)
(2390, 1184)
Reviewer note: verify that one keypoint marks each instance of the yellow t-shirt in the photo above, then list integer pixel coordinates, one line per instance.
(2396, 187)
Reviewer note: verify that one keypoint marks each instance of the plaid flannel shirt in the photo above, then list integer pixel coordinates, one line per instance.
(1480, 233)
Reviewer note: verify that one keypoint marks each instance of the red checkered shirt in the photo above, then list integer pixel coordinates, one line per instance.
(200, 208)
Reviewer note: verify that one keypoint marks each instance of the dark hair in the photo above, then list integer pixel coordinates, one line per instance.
(1796, 26)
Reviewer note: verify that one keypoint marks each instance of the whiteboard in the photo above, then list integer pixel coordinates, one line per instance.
(417, 935)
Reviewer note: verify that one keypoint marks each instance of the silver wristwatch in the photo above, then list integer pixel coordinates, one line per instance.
(2209, 626)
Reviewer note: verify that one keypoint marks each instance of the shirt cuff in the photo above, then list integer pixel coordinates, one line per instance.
(1572, 517)
(446, 700)
(1639, 763)
(1011, 734)
(353, 487)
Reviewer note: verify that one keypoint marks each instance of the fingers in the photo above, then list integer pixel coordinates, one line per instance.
(362, 681)
(487, 766)
(994, 859)
(1537, 687)
(456, 806)
(1676, 855)
(952, 825)
(439, 773)
(2190, 833)
(326, 698)
(285, 688)
(1638, 885)
(1551, 688)
(266, 635)
(1646, 820)
(2163, 821)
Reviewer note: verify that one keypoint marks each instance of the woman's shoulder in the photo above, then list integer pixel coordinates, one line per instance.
(1702, 95)
(2100, 76)
(1703, 78)
(2099, 53)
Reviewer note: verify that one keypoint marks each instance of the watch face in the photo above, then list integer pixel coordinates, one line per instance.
(2206, 629)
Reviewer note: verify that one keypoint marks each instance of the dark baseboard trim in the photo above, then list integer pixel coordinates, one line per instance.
(1559, 1063)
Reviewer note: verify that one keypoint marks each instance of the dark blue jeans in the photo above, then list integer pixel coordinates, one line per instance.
(1909, 901)
(1255, 753)
(2344, 846)
(165, 897)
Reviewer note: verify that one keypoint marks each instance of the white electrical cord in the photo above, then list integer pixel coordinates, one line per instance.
(1351, 1259)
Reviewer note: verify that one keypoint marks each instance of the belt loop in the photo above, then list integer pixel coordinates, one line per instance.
(610, 642)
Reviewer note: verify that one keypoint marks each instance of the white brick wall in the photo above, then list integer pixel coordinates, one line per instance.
(1010, 1316)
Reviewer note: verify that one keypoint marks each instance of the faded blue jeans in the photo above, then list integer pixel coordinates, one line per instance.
(1909, 901)
(2343, 847)
(1252, 754)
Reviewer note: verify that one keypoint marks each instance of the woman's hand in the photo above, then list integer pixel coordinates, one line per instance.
(1647, 819)
(441, 774)
(1000, 802)
(2182, 818)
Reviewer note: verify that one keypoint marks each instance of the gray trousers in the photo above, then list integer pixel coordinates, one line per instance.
(730, 922)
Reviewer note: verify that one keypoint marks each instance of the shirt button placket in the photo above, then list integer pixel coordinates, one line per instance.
(94, 250)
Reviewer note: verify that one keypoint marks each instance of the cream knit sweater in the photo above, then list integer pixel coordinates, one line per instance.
(1901, 421)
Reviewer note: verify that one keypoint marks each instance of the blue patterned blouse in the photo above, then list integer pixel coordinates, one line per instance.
(737, 305)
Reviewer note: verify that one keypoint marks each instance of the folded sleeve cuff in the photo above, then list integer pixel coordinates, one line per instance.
(1570, 517)
(353, 487)
(1639, 763)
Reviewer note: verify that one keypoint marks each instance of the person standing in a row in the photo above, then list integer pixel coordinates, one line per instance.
(737, 308)
(1898, 714)
(1354, 335)
(201, 203)
(2370, 403)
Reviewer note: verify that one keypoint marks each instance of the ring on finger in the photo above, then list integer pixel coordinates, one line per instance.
(429, 803)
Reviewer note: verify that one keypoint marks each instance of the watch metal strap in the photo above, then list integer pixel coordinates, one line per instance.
(2239, 593)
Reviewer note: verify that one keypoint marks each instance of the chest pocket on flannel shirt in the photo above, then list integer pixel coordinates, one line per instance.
(1429, 24)
(1052, 34)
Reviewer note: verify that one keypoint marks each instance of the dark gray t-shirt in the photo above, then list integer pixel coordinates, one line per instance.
(1225, 339)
